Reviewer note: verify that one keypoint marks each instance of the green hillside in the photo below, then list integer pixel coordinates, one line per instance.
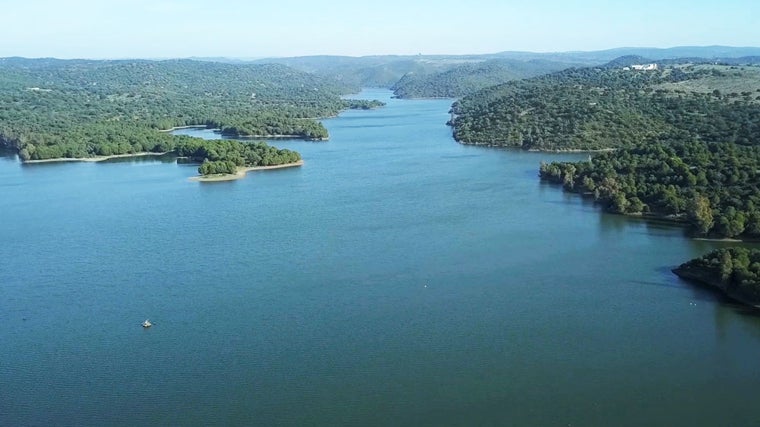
(602, 108)
(468, 78)
(77, 108)
(686, 138)
(386, 70)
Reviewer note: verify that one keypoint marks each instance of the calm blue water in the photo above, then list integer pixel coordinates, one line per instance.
(397, 278)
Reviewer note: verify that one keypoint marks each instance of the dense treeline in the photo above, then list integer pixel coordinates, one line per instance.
(53, 108)
(713, 186)
(281, 122)
(363, 104)
(597, 108)
(735, 271)
(273, 125)
(469, 78)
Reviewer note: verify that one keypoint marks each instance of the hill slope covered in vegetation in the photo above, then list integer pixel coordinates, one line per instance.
(686, 138)
(79, 108)
(600, 108)
(468, 78)
(386, 70)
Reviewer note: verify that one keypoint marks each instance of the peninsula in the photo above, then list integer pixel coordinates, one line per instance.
(733, 271)
(69, 110)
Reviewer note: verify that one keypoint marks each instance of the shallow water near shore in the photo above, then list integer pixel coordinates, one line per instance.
(396, 278)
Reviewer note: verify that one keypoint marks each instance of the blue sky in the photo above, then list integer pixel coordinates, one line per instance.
(236, 28)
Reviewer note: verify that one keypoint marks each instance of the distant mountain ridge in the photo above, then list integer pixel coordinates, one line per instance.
(707, 52)
(471, 77)
(458, 75)
(388, 70)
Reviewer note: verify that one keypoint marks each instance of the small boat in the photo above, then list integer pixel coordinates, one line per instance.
(146, 324)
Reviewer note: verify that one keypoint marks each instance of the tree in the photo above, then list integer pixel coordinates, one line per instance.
(726, 266)
(700, 214)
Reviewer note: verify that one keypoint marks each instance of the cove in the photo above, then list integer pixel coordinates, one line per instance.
(396, 278)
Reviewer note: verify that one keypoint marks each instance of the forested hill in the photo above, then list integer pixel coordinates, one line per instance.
(687, 138)
(80, 108)
(471, 77)
(386, 70)
(179, 76)
(598, 108)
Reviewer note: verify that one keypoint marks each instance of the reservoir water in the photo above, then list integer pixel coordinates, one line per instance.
(397, 278)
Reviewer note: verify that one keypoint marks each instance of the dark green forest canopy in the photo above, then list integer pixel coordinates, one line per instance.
(712, 186)
(598, 108)
(735, 271)
(79, 108)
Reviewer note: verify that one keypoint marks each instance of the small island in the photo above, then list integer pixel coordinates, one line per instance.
(241, 172)
(733, 271)
(225, 159)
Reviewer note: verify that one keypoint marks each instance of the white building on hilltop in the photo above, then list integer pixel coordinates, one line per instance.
(641, 67)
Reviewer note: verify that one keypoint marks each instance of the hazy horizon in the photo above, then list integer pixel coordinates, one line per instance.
(236, 29)
(254, 58)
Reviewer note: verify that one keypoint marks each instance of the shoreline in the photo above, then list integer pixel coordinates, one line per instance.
(425, 98)
(241, 172)
(681, 222)
(219, 131)
(94, 159)
(299, 137)
(676, 220)
(571, 150)
(538, 150)
(722, 240)
(184, 127)
(707, 278)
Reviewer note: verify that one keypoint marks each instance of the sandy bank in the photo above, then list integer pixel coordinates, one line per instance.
(300, 137)
(241, 136)
(724, 239)
(184, 127)
(242, 172)
(537, 150)
(571, 150)
(94, 159)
